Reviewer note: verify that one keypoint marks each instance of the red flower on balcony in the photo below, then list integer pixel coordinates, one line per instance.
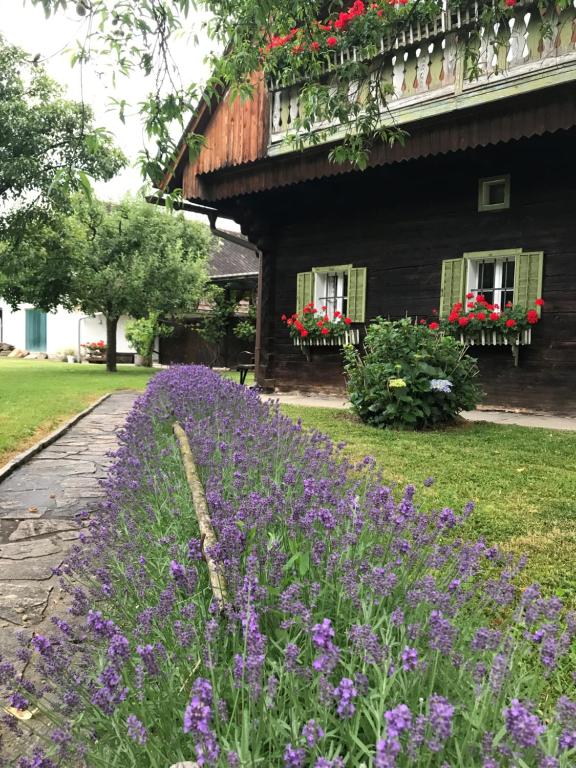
(539, 302)
(510, 323)
(532, 316)
(434, 326)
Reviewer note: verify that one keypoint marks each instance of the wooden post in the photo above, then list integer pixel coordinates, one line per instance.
(207, 534)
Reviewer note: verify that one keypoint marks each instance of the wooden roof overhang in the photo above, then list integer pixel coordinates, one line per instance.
(523, 116)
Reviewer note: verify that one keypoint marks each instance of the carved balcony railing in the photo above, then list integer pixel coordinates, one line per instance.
(430, 74)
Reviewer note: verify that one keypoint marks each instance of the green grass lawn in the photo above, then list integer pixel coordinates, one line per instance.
(522, 479)
(38, 395)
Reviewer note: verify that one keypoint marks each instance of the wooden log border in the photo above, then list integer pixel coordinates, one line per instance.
(207, 535)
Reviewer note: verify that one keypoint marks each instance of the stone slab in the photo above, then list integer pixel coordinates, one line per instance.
(30, 570)
(26, 550)
(65, 467)
(28, 529)
(23, 603)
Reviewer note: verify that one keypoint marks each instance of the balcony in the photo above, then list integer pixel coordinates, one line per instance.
(425, 65)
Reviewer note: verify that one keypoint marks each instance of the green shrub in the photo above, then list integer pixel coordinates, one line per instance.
(410, 376)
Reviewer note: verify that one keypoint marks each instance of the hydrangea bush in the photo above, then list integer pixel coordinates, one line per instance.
(410, 376)
(361, 630)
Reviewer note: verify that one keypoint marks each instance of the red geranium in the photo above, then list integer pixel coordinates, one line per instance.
(303, 333)
(532, 316)
(434, 326)
(510, 323)
(347, 320)
(325, 331)
(481, 316)
(539, 302)
(463, 322)
(494, 315)
(469, 295)
(331, 42)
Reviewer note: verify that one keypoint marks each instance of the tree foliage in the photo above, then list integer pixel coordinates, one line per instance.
(48, 145)
(126, 259)
(139, 36)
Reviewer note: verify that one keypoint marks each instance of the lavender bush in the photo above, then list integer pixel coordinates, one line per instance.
(361, 630)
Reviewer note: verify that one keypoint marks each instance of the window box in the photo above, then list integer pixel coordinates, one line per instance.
(494, 338)
(350, 336)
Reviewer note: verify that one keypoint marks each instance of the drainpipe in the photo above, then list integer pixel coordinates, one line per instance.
(84, 317)
(224, 235)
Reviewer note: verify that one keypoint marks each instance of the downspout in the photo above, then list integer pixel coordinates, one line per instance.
(84, 317)
(223, 235)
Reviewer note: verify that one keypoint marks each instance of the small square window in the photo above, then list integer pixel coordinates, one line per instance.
(494, 193)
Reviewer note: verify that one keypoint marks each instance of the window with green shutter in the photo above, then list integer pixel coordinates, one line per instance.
(528, 278)
(508, 276)
(340, 288)
(304, 290)
(452, 284)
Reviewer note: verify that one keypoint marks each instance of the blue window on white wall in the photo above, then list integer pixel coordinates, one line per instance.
(35, 330)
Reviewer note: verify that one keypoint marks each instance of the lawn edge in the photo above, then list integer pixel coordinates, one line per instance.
(44, 442)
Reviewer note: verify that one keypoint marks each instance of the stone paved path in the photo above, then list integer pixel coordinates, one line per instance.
(38, 504)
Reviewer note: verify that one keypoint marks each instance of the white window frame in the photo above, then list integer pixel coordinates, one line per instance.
(340, 302)
(484, 186)
(472, 276)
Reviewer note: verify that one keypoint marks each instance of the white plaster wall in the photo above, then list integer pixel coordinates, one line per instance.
(13, 326)
(94, 329)
(64, 330)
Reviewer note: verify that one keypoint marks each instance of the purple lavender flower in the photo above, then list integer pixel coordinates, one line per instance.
(294, 757)
(136, 730)
(522, 725)
(398, 720)
(119, 647)
(549, 762)
(18, 701)
(409, 659)
(566, 711)
(323, 634)
(567, 740)
(387, 751)
(39, 759)
(345, 693)
(440, 719)
(312, 733)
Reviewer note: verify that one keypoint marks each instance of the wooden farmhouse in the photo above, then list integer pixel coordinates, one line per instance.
(481, 198)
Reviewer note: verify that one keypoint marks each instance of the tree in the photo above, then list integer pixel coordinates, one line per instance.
(291, 41)
(126, 259)
(48, 146)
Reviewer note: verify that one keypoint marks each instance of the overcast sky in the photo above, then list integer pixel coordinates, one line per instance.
(24, 24)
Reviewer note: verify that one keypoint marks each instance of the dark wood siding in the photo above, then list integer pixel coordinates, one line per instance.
(213, 180)
(401, 222)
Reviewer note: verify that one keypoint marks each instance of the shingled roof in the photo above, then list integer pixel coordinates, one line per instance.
(231, 260)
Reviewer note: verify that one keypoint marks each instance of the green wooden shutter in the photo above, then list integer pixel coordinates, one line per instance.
(528, 279)
(452, 286)
(35, 330)
(304, 290)
(357, 294)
